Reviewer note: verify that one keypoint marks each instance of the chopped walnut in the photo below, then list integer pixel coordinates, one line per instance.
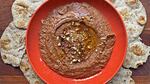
(59, 44)
(75, 61)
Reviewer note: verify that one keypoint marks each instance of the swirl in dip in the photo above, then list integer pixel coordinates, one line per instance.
(76, 41)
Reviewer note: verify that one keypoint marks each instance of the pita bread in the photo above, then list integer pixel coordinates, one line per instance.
(134, 16)
(12, 45)
(122, 77)
(22, 10)
(137, 54)
(28, 71)
(133, 31)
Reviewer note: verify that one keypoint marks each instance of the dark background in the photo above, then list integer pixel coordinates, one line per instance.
(11, 75)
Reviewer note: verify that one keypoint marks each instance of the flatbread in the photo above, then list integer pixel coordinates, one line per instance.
(137, 54)
(133, 31)
(122, 77)
(12, 45)
(22, 10)
(134, 16)
(28, 72)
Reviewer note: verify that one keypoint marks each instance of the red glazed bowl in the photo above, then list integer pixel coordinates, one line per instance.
(51, 77)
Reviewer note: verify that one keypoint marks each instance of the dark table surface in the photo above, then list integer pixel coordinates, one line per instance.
(11, 75)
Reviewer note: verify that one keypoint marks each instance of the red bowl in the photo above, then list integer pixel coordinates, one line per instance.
(49, 76)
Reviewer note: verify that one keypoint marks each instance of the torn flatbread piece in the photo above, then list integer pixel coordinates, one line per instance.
(122, 77)
(134, 16)
(12, 45)
(28, 72)
(22, 11)
(137, 54)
